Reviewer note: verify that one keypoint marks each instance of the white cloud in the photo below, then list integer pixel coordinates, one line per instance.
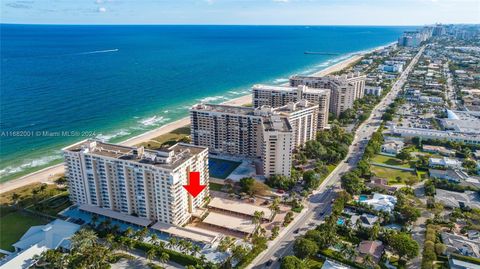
(281, 1)
(102, 9)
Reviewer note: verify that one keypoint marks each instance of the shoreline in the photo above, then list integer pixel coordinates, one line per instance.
(49, 174)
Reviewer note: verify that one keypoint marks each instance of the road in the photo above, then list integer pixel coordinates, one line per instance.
(319, 203)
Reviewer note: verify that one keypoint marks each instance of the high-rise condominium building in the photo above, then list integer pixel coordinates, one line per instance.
(264, 132)
(345, 89)
(277, 96)
(136, 181)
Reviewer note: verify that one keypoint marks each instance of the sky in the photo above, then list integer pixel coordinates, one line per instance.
(242, 12)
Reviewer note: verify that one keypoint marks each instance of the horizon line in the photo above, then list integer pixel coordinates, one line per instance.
(205, 24)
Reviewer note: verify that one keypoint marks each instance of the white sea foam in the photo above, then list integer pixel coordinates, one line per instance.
(155, 120)
(29, 163)
(235, 92)
(280, 80)
(108, 137)
(212, 98)
(95, 52)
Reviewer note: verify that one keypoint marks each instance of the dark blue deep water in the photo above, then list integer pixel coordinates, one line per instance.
(118, 81)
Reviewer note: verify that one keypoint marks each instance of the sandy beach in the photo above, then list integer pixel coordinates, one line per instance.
(47, 175)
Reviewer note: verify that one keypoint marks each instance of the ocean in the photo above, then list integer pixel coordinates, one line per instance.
(61, 83)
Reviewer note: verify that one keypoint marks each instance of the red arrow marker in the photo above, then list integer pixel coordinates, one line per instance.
(194, 188)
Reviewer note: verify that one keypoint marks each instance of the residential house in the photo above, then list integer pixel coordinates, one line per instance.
(381, 183)
(54, 235)
(438, 150)
(381, 202)
(364, 220)
(372, 248)
(445, 162)
(452, 199)
(329, 264)
(461, 245)
(393, 147)
(460, 264)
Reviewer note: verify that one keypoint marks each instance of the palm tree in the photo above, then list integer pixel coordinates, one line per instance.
(154, 239)
(15, 197)
(140, 234)
(368, 261)
(43, 187)
(94, 220)
(257, 218)
(275, 207)
(172, 242)
(151, 253)
(161, 245)
(83, 240)
(129, 232)
(110, 238)
(196, 249)
(164, 257)
(225, 243)
(34, 194)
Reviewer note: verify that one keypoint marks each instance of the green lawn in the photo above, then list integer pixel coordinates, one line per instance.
(392, 174)
(389, 161)
(330, 168)
(168, 138)
(215, 186)
(14, 225)
(52, 206)
(314, 263)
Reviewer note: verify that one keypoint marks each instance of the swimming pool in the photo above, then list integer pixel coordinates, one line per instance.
(74, 214)
(340, 221)
(362, 198)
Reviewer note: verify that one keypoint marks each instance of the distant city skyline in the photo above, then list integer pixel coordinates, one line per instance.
(241, 12)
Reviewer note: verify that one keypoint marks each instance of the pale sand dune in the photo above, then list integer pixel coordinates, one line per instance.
(48, 174)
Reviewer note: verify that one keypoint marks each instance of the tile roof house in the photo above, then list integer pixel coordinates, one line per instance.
(54, 235)
(460, 264)
(393, 146)
(372, 248)
(452, 199)
(445, 163)
(328, 264)
(365, 220)
(461, 245)
(438, 149)
(381, 202)
(381, 183)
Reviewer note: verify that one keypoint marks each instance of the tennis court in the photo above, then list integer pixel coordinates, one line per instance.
(221, 168)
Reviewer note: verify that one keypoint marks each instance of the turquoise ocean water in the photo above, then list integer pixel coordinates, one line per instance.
(61, 84)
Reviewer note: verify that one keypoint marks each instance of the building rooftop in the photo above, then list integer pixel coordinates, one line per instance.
(457, 199)
(277, 123)
(382, 202)
(230, 222)
(238, 207)
(38, 239)
(461, 244)
(226, 109)
(115, 215)
(276, 88)
(169, 158)
(195, 234)
(328, 264)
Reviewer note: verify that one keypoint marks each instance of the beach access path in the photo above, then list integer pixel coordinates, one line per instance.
(49, 174)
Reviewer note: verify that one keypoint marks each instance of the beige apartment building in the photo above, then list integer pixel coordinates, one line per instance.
(345, 89)
(265, 132)
(136, 181)
(277, 96)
